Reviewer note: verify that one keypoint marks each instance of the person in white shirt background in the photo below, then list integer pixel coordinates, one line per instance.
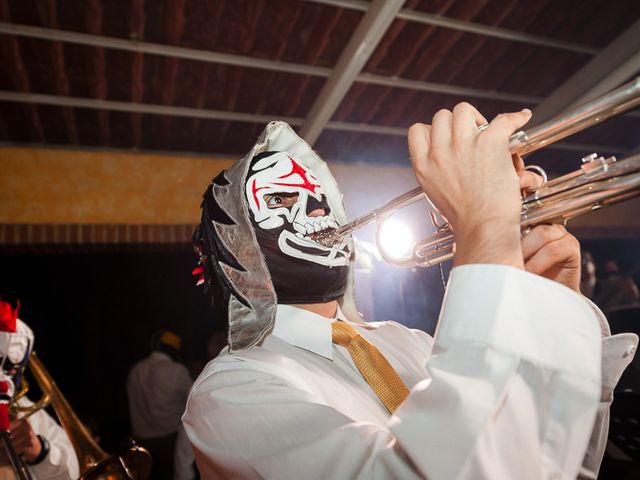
(38, 439)
(157, 389)
(515, 383)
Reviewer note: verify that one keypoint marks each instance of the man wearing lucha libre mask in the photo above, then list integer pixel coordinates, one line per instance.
(516, 382)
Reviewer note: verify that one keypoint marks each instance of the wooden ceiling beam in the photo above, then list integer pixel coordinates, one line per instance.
(469, 27)
(142, 108)
(140, 47)
(47, 13)
(173, 28)
(153, 109)
(214, 16)
(617, 63)
(19, 74)
(99, 84)
(22, 83)
(136, 45)
(136, 32)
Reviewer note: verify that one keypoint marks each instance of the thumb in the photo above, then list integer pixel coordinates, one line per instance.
(507, 123)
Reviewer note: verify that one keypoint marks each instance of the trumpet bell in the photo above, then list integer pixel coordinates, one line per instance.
(134, 464)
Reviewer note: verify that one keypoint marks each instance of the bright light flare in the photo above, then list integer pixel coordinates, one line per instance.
(396, 238)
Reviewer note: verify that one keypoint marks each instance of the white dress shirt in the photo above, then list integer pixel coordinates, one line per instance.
(516, 385)
(157, 388)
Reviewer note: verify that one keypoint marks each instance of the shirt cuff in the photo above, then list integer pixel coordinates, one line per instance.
(617, 353)
(44, 451)
(536, 318)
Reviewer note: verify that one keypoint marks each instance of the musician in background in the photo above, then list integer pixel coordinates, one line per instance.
(513, 385)
(157, 387)
(42, 443)
(615, 289)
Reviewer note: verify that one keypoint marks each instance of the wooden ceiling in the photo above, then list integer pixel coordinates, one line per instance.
(205, 76)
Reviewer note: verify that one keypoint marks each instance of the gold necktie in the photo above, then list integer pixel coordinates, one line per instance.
(375, 369)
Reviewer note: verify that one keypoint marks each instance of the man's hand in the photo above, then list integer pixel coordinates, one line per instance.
(470, 177)
(551, 251)
(24, 440)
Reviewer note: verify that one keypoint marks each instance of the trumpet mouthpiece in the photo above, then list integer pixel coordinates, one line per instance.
(327, 238)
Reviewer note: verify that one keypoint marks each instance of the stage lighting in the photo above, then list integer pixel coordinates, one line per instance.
(396, 238)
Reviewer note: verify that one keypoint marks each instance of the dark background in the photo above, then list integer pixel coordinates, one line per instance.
(93, 315)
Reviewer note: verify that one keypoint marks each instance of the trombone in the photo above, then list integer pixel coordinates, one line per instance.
(597, 183)
(95, 463)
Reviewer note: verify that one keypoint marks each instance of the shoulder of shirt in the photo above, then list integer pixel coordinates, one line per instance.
(255, 362)
(398, 327)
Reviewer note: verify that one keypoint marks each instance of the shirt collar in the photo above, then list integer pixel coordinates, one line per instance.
(159, 355)
(304, 329)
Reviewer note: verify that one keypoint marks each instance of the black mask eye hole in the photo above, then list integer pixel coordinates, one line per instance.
(281, 199)
(313, 204)
(10, 368)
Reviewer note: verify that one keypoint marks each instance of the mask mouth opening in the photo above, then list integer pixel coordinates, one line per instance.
(326, 237)
(321, 235)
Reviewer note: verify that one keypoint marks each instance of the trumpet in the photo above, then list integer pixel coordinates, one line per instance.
(597, 183)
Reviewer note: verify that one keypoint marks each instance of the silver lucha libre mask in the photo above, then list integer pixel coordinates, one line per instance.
(256, 242)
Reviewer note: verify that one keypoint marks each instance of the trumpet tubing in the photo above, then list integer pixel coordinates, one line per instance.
(598, 183)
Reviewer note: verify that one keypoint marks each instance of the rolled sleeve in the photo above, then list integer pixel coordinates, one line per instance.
(61, 461)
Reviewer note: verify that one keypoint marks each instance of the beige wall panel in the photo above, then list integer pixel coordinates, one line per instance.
(70, 186)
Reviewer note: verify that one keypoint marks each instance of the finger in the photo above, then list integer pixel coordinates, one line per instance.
(539, 237)
(557, 254)
(465, 120)
(419, 141)
(441, 129)
(17, 426)
(518, 163)
(20, 443)
(529, 181)
(18, 435)
(507, 123)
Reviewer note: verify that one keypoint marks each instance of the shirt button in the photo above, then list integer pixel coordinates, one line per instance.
(629, 351)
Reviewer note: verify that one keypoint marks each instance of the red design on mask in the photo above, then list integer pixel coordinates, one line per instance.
(202, 260)
(255, 191)
(8, 317)
(297, 169)
(199, 271)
